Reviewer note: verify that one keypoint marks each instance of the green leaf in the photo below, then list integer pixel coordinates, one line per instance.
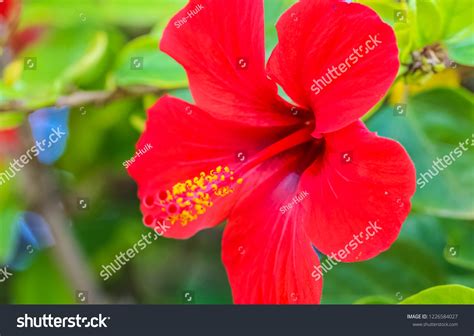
(386, 9)
(137, 13)
(85, 70)
(448, 22)
(457, 16)
(375, 300)
(459, 249)
(49, 68)
(461, 48)
(273, 10)
(447, 294)
(458, 30)
(436, 122)
(138, 122)
(8, 232)
(141, 63)
(428, 13)
(183, 94)
(9, 120)
(42, 283)
(9, 214)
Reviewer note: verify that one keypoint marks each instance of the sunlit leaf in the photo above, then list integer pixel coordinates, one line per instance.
(448, 294)
(141, 63)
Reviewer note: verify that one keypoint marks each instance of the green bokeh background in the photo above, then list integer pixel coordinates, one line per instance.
(89, 46)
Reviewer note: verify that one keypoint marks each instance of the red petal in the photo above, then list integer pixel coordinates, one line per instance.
(186, 141)
(221, 46)
(314, 36)
(268, 256)
(362, 181)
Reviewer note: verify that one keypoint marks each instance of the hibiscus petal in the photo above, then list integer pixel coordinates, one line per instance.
(267, 253)
(314, 37)
(360, 194)
(180, 142)
(221, 46)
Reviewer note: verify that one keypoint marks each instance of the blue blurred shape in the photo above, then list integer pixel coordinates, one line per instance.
(50, 132)
(33, 235)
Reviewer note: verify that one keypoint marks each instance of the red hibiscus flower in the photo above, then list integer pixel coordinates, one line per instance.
(288, 176)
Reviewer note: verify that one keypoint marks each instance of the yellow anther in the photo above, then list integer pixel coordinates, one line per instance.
(193, 197)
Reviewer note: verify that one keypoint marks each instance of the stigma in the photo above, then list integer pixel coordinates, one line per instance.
(186, 201)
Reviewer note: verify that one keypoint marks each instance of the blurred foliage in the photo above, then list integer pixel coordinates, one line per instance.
(110, 46)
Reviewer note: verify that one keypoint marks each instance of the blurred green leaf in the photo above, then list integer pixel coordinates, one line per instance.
(91, 135)
(137, 13)
(9, 120)
(86, 69)
(458, 29)
(461, 48)
(375, 300)
(447, 294)
(49, 68)
(273, 10)
(184, 94)
(141, 63)
(454, 27)
(8, 232)
(459, 249)
(435, 124)
(10, 209)
(43, 283)
(138, 123)
(428, 12)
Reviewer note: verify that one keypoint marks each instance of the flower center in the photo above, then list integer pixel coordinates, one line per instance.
(184, 202)
(299, 137)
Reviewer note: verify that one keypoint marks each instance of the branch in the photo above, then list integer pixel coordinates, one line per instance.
(83, 98)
